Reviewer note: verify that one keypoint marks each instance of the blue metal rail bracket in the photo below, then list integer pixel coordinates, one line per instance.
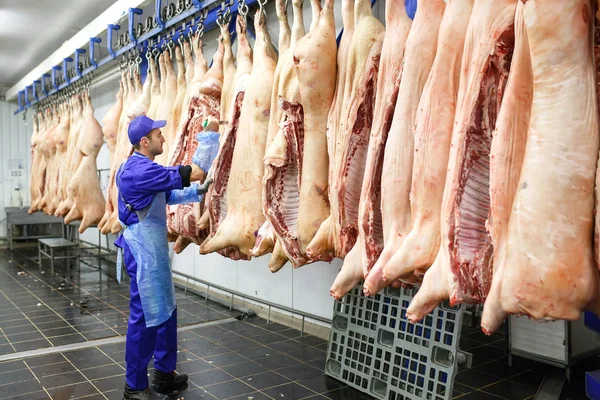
(78, 70)
(27, 95)
(66, 76)
(109, 34)
(54, 83)
(170, 23)
(132, 28)
(44, 85)
(35, 83)
(157, 14)
(93, 41)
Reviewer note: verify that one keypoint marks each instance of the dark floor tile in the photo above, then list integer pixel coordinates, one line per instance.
(41, 395)
(573, 392)
(499, 369)
(468, 344)
(115, 394)
(225, 359)
(252, 395)
(100, 334)
(116, 348)
(528, 378)
(210, 377)
(14, 331)
(288, 346)
(49, 333)
(53, 369)
(275, 327)
(24, 337)
(73, 391)
(52, 325)
(105, 371)
(253, 352)
(67, 339)
(67, 378)
(478, 395)
(291, 334)
(289, 391)
(475, 379)
(265, 380)
(510, 390)
(191, 366)
(322, 383)
(269, 338)
(183, 356)
(15, 390)
(311, 340)
(307, 354)
(275, 361)
(15, 376)
(485, 354)
(108, 384)
(244, 369)
(87, 358)
(299, 371)
(318, 364)
(229, 389)
(481, 337)
(32, 345)
(8, 366)
(459, 388)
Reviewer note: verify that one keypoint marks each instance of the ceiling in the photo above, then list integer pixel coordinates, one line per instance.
(31, 30)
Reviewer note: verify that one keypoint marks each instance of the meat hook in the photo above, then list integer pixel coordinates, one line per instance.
(243, 8)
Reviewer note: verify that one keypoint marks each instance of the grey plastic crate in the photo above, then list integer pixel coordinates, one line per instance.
(375, 349)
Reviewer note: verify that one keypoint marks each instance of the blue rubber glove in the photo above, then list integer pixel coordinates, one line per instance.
(208, 147)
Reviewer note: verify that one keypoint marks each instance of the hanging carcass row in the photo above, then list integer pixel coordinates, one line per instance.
(203, 103)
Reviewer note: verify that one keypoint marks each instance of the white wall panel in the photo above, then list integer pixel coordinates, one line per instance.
(304, 289)
(15, 137)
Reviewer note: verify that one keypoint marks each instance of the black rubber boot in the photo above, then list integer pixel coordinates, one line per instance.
(171, 383)
(148, 394)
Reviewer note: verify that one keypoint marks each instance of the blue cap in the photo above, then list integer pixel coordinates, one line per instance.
(141, 126)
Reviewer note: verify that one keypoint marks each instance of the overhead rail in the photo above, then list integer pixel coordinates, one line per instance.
(170, 24)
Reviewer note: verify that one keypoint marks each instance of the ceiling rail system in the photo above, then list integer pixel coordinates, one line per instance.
(170, 22)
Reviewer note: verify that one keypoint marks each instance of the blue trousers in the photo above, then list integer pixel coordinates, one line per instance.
(143, 342)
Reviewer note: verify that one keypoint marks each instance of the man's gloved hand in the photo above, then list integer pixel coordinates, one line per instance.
(208, 147)
(203, 188)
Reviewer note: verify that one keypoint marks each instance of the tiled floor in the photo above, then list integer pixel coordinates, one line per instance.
(247, 359)
(38, 310)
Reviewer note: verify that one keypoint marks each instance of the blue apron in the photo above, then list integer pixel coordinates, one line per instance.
(147, 241)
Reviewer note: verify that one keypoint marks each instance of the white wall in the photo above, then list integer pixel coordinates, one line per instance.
(304, 289)
(15, 137)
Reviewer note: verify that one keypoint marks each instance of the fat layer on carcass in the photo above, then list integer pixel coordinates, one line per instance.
(244, 215)
(337, 234)
(281, 181)
(547, 271)
(465, 253)
(216, 198)
(433, 133)
(84, 186)
(396, 176)
(370, 238)
(204, 103)
(265, 237)
(315, 58)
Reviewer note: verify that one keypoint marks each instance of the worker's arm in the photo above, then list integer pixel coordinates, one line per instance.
(154, 178)
(192, 194)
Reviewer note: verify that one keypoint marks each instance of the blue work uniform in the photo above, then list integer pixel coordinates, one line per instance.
(145, 189)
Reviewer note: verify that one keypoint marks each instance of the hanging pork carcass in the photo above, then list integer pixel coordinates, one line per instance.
(465, 255)
(396, 175)
(84, 184)
(287, 89)
(265, 236)
(217, 195)
(545, 266)
(370, 238)
(243, 214)
(338, 233)
(203, 103)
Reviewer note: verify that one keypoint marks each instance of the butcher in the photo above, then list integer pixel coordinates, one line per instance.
(145, 189)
